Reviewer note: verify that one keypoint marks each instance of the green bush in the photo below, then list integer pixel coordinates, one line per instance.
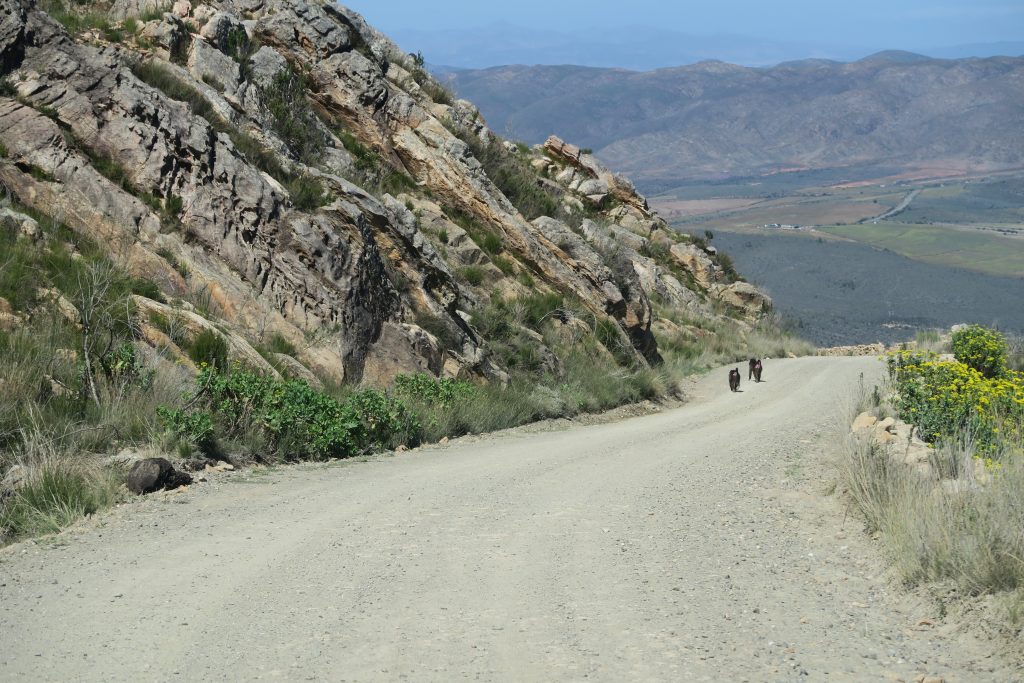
(386, 421)
(425, 388)
(295, 421)
(491, 243)
(210, 348)
(278, 344)
(307, 193)
(473, 275)
(195, 428)
(292, 117)
(944, 399)
(365, 159)
(982, 349)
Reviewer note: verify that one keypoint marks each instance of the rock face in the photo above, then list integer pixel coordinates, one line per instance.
(290, 168)
(154, 474)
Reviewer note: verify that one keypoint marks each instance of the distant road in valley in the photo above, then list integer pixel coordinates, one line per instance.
(896, 210)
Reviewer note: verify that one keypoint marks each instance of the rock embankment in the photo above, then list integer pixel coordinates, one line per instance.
(293, 168)
(854, 350)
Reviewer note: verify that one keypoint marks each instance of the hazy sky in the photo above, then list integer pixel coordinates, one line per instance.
(895, 24)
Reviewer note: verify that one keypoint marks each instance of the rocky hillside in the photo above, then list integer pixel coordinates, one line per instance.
(280, 173)
(886, 114)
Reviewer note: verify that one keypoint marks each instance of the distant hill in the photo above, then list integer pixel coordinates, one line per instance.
(642, 48)
(896, 111)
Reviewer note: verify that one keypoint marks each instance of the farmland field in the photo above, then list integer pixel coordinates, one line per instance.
(959, 247)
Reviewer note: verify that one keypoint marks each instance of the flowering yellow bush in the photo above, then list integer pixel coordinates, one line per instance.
(981, 348)
(945, 399)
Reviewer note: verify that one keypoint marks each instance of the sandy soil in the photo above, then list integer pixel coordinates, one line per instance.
(694, 544)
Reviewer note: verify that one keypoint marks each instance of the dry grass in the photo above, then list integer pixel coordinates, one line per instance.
(57, 488)
(943, 526)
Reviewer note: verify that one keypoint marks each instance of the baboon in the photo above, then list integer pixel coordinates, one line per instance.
(757, 370)
(750, 368)
(734, 379)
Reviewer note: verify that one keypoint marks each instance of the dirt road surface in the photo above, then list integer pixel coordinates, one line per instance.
(695, 544)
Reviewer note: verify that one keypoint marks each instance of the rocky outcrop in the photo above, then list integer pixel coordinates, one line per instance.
(169, 149)
(744, 297)
(855, 350)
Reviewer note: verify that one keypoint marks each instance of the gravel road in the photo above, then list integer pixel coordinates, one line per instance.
(699, 543)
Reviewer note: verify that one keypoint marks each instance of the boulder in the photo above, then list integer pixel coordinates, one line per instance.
(307, 26)
(883, 436)
(595, 186)
(9, 320)
(219, 28)
(13, 479)
(154, 474)
(401, 349)
(171, 34)
(863, 421)
(293, 369)
(122, 9)
(181, 8)
(190, 325)
(12, 33)
(25, 225)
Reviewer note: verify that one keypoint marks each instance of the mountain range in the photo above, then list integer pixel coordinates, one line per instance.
(889, 113)
(641, 47)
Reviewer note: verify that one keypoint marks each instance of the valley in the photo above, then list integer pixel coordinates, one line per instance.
(971, 223)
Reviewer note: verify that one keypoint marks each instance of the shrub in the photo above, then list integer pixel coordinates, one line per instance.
(210, 348)
(491, 243)
(969, 536)
(473, 275)
(946, 398)
(386, 421)
(307, 193)
(239, 47)
(278, 344)
(195, 428)
(424, 388)
(981, 349)
(295, 421)
(292, 118)
(365, 159)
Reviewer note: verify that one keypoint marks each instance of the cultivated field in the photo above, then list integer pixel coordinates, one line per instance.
(975, 224)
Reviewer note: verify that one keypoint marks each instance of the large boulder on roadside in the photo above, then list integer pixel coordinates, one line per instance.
(154, 474)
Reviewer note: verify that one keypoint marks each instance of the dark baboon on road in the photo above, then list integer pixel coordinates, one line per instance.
(750, 367)
(757, 370)
(734, 379)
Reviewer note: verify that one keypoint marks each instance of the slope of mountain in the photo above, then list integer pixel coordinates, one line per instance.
(277, 169)
(711, 119)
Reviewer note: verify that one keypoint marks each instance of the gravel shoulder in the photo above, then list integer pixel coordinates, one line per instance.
(699, 543)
